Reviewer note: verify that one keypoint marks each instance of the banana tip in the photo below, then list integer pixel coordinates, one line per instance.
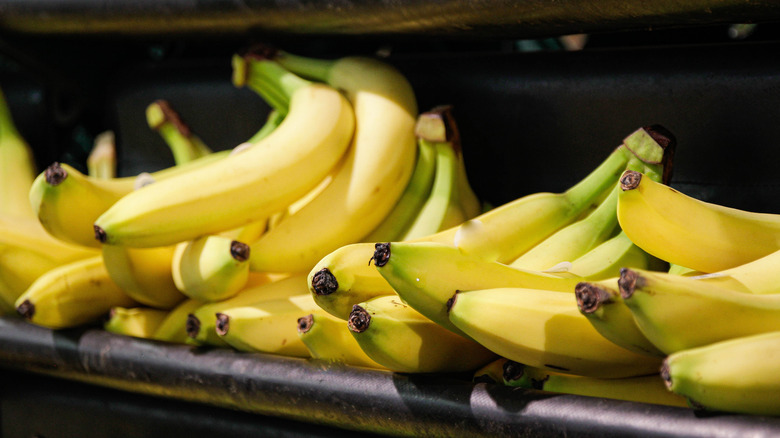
(55, 174)
(451, 301)
(666, 375)
(26, 309)
(359, 319)
(630, 180)
(192, 326)
(512, 370)
(381, 254)
(239, 251)
(100, 234)
(323, 282)
(627, 282)
(589, 297)
(223, 324)
(305, 323)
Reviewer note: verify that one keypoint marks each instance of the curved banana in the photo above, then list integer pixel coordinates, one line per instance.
(71, 295)
(738, 375)
(644, 389)
(603, 306)
(378, 167)
(402, 340)
(268, 326)
(138, 322)
(17, 167)
(676, 312)
(328, 338)
(544, 329)
(426, 274)
(184, 145)
(689, 232)
(344, 278)
(101, 162)
(242, 187)
(174, 327)
(211, 268)
(606, 260)
(144, 274)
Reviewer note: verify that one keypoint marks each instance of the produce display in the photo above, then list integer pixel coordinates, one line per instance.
(346, 229)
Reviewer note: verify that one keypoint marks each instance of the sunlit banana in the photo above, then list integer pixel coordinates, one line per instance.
(643, 389)
(603, 306)
(71, 295)
(686, 231)
(401, 339)
(328, 338)
(426, 275)
(242, 187)
(138, 322)
(676, 312)
(17, 167)
(211, 268)
(201, 323)
(101, 162)
(738, 375)
(544, 329)
(605, 260)
(145, 274)
(174, 327)
(267, 326)
(184, 145)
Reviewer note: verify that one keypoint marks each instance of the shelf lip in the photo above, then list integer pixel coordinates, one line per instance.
(346, 397)
(458, 18)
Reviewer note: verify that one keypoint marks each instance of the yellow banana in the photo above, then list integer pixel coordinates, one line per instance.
(174, 327)
(606, 260)
(543, 329)
(101, 162)
(144, 274)
(492, 372)
(378, 167)
(267, 326)
(243, 187)
(328, 338)
(211, 268)
(689, 232)
(738, 375)
(17, 167)
(138, 322)
(71, 295)
(426, 274)
(401, 339)
(643, 389)
(676, 312)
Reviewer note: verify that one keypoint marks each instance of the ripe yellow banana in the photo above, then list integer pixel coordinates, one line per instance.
(71, 295)
(426, 275)
(378, 167)
(344, 278)
(17, 167)
(643, 389)
(401, 339)
(544, 329)
(174, 327)
(101, 162)
(144, 274)
(211, 268)
(738, 375)
(138, 322)
(268, 326)
(328, 338)
(184, 145)
(676, 312)
(689, 232)
(243, 187)
(603, 306)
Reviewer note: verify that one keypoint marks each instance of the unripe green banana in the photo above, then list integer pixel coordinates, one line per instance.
(138, 322)
(328, 338)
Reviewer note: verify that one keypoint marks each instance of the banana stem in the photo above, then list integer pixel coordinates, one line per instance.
(316, 69)
(600, 179)
(269, 79)
(177, 135)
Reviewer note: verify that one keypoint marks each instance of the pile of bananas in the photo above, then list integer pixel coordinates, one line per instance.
(346, 229)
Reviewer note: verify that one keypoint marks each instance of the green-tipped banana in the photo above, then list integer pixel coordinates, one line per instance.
(603, 306)
(738, 375)
(145, 274)
(401, 339)
(544, 329)
(328, 338)
(101, 162)
(643, 389)
(606, 260)
(677, 313)
(17, 167)
(71, 295)
(426, 275)
(137, 322)
(211, 268)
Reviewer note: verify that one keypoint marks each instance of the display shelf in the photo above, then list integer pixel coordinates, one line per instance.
(349, 398)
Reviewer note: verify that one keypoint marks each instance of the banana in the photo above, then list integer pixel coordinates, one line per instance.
(17, 167)
(144, 274)
(378, 167)
(401, 339)
(138, 322)
(426, 274)
(603, 306)
(606, 260)
(184, 145)
(682, 270)
(173, 327)
(493, 372)
(344, 278)
(267, 326)
(643, 389)
(676, 313)
(211, 268)
(738, 375)
(759, 276)
(101, 162)
(243, 187)
(328, 338)
(544, 329)
(689, 232)
(200, 326)
(71, 295)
